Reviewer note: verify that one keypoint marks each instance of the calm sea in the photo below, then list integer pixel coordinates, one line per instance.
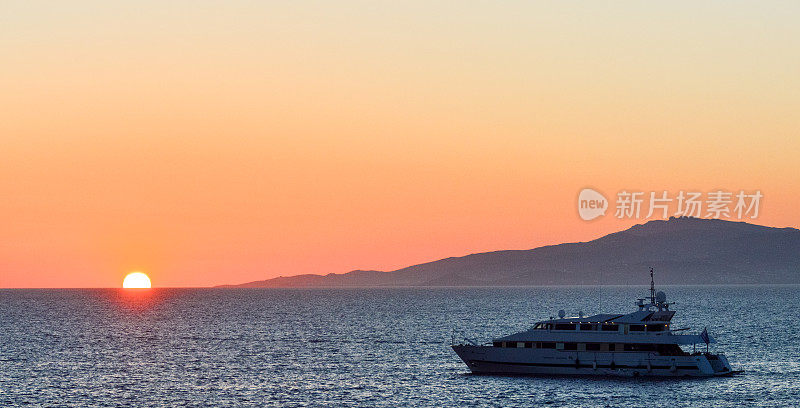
(362, 347)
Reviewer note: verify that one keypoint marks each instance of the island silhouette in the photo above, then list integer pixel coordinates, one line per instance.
(685, 250)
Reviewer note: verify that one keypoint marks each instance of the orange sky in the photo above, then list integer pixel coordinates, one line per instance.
(222, 142)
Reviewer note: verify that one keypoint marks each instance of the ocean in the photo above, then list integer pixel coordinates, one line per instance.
(363, 347)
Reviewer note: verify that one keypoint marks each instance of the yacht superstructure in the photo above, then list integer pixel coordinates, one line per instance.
(638, 343)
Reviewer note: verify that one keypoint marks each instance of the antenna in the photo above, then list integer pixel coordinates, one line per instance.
(652, 288)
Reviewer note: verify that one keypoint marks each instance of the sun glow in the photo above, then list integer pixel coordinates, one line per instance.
(136, 280)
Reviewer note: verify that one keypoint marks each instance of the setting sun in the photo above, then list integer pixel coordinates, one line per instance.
(136, 280)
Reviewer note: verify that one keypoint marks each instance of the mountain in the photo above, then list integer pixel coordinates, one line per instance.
(682, 250)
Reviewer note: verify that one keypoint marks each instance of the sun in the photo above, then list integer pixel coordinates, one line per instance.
(136, 280)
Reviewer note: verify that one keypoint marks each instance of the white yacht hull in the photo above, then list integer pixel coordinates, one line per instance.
(497, 360)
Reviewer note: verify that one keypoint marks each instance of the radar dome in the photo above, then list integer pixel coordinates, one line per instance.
(561, 313)
(661, 297)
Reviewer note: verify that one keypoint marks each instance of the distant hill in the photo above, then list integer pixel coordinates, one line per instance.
(683, 251)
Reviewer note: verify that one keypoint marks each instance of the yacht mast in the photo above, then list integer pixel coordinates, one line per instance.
(652, 288)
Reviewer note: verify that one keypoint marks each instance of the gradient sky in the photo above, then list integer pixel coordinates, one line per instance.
(210, 142)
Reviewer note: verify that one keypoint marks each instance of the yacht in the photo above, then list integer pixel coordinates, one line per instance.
(641, 343)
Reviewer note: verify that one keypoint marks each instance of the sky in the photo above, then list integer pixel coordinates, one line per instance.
(212, 142)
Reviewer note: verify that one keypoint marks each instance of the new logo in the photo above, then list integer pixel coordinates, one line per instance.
(591, 204)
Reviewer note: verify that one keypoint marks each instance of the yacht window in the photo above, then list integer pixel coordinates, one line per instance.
(586, 327)
(640, 347)
(670, 350)
(528, 344)
(612, 347)
(498, 344)
(610, 327)
(656, 327)
(565, 326)
(547, 345)
(592, 346)
(637, 327)
(570, 346)
(511, 344)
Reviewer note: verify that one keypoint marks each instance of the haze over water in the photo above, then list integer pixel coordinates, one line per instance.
(361, 347)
